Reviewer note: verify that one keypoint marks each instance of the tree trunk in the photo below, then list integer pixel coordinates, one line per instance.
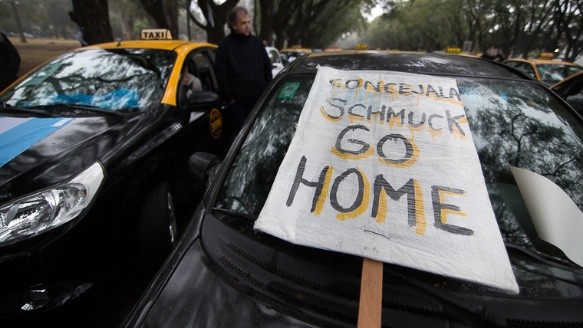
(280, 20)
(18, 23)
(215, 17)
(126, 20)
(164, 13)
(92, 17)
(266, 10)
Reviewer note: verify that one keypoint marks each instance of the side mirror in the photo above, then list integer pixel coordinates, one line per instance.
(199, 164)
(203, 100)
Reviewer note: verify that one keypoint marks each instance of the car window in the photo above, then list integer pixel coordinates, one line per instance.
(574, 70)
(553, 73)
(574, 95)
(511, 63)
(503, 117)
(274, 56)
(513, 123)
(204, 70)
(525, 68)
(117, 79)
(265, 148)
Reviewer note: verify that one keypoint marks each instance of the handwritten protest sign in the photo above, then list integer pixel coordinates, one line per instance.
(383, 165)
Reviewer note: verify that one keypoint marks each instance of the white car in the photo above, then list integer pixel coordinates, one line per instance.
(276, 61)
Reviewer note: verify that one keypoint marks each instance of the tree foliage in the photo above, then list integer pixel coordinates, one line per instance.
(312, 24)
(58, 23)
(130, 17)
(164, 13)
(213, 18)
(31, 17)
(519, 27)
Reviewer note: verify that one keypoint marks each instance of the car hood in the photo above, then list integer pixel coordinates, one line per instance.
(38, 152)
(197, 296)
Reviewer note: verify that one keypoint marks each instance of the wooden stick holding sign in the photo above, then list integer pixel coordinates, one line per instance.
(371, 294)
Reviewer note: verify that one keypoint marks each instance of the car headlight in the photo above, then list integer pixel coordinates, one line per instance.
(39, 212)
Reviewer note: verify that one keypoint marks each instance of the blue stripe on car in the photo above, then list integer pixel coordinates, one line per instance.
(19, 134)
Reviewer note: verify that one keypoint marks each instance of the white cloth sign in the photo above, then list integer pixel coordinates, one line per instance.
(555, 216)
(383, 165)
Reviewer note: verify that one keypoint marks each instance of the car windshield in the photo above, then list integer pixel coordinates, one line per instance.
(513, 123)
(111, 80)
(553, 73)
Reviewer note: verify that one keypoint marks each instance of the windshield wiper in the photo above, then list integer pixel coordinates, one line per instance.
(11, 109)
(235, 213)
(472, 312)
(76, 108)
(548, 260)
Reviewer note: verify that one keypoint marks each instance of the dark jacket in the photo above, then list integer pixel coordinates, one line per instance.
(243, 69)
(9, 62)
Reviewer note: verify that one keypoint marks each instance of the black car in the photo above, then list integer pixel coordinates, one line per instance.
(94, 147)
(227, 273)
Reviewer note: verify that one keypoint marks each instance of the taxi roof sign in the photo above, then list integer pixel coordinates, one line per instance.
(546, 55)
(156, 34)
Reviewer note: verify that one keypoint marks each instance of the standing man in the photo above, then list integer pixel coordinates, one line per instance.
(9, 62)
(242, 66)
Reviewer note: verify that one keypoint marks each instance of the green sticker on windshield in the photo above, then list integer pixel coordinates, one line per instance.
(289, 90)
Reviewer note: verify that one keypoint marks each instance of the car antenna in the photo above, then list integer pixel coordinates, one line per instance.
(122, 38)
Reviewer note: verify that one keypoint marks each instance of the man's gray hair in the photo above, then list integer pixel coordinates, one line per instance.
(232, 15)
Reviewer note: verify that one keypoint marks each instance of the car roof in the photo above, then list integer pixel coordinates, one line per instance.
(152, 44)
(308, 50)
(541, 61)
(440, 64)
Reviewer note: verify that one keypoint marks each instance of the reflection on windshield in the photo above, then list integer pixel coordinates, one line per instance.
(265, 148)
(553, 73)
(512, 123)
(107, 79)
(519, 125)
(526, 128)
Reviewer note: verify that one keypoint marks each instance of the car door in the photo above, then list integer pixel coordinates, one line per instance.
(204, 126)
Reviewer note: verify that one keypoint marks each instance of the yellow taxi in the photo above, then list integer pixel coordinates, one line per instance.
(109, 129)
(291, 54)
(544, 68)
